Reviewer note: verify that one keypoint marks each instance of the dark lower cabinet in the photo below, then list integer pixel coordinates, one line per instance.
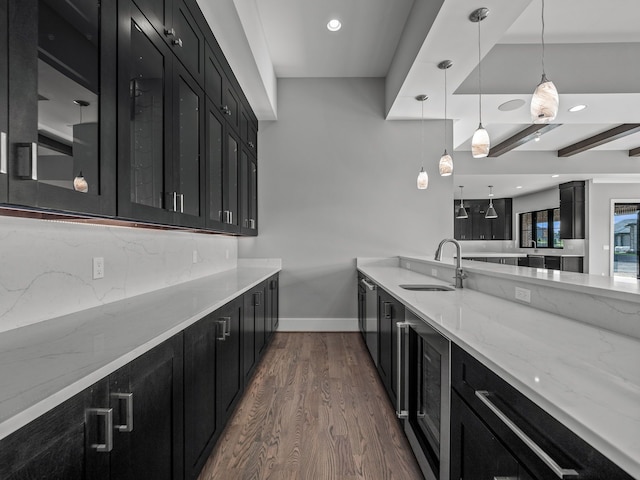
(147, 402)
(488, 420)
(63, 443)
(254, 329)
(272, 306)
(390, 311)
(212, 382)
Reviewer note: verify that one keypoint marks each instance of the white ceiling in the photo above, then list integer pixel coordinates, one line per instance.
(592, 55)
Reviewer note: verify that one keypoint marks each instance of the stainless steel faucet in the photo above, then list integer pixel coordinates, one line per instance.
(460, 275)
(535, 244)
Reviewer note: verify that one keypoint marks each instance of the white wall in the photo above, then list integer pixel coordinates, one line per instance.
(46, 267)
(599, 212)
(337, 181)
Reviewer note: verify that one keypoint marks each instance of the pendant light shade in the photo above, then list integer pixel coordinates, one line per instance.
(480, 143)
(491, 212)
(545, 100)
(445, 166)
(423, 178)
(461, 212)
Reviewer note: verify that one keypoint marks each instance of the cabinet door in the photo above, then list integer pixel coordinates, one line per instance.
(249, 194)
(248, 336)
(271, 307)
(252, 138)
(231, 106)
(501, 226)
(253, 195)
(200, 342)
(147, 401)
(274, 285)
(259, 295)
(62, 443)
(481, 226)
(62, 105)
(214, 77)
(215, 186)
(186, 40)
(462, 226)
(476, 454)
(187, 172)
(385, 315)
(144, 120)
(231, 197)
(4, 101)
(229, 377)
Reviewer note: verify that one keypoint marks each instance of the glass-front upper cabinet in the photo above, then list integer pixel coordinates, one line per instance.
(249, 185)
(215, 168)
(62, 105)
(161, 107)
(4, 101)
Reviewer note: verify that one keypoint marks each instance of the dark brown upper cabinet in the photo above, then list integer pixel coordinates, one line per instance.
(62, 105)
(4, 101)
(477, 227)
(572, 210)
(175, 23)
(161, 129)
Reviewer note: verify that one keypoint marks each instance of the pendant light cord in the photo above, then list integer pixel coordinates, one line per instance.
(542, 35)
(445, 109)
(422, 131)
(480, 76)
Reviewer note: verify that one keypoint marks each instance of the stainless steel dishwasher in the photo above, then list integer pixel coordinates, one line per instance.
(371, 318)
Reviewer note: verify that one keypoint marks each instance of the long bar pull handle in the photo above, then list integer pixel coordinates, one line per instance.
(175, 201)
(483, 395)
(221, 324)
(3, 152)
(27, 161)
(226, 327)
(127, 398)
(181, 195)
(370, 286)
(387, 309)
(400, 411)
(107, 416)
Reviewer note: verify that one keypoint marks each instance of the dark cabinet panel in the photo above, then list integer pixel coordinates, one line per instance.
(462, 226)
(572, 210)
(390, 311)
(62, 105)
(248, 337)
(249, 192)
(229, 375)
(231, 171)
(63, 443)
(4, 101)
(272, 306)
(255, 326)
(147, 401)
(216, 168)
(214, 78)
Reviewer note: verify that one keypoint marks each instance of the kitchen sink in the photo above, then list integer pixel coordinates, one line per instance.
(428, 288)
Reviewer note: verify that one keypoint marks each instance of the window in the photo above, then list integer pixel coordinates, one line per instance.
(540, 229)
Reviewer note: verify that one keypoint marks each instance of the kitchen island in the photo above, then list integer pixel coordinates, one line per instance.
(584, 376)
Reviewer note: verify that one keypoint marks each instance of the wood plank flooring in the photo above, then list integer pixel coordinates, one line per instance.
(315, 410)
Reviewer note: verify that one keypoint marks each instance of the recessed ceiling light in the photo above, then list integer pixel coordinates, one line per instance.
(555, 176)
(334, 25)
(511, 105)
(519, 186)
(577, 108)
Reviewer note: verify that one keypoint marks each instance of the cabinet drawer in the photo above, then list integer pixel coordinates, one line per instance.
(491, 398)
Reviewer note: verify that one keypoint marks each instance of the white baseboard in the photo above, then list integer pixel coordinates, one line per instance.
(318, 325)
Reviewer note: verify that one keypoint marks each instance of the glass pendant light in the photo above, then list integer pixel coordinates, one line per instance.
(491, 212)
(480, 142)
(446, 162)
(545, 100)
(461, 212)
(423, 178)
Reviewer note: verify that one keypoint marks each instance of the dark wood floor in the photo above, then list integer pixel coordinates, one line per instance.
(315, 410)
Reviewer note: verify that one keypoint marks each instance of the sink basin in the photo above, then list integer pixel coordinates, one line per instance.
(428, 288)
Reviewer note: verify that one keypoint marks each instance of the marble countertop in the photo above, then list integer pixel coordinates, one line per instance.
(585, 377)
(493, 255)
(44, 364)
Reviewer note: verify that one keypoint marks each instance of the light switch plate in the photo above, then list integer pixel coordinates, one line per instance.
(523, 295)
(98, 268)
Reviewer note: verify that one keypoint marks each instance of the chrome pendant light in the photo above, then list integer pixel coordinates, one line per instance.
(491, 212)
(461, 212)
(545, 100)
(480, 143)
(445, 165)
(423, 178)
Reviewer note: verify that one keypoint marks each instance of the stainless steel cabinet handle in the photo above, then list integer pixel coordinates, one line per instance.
(174, 195)
(221, 336)
(181, 195)
(231, 217)
(252, 223)
(401, 412)
(128, 416)
(252, 145)
(107, 416)
(169, 32)
(387, 311)
(3, 152)
(483, 395)
(370, 286)
(257, 299)
(177, 42)
(27, 161)
(227, 326)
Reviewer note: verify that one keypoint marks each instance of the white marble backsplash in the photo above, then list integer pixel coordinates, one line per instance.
(46, 267)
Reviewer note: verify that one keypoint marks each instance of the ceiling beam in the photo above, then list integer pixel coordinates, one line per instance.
(634, 152)
(605, 137)
(522, 137)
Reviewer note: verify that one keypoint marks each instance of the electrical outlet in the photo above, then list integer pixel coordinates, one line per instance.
(194, 257)
(523, 295)
(434, 272)
(98, 268)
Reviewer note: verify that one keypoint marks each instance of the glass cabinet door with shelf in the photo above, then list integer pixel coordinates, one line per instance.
(4, 101)
(62, 105)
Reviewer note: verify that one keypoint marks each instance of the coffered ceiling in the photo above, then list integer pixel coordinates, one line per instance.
(592, 55)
